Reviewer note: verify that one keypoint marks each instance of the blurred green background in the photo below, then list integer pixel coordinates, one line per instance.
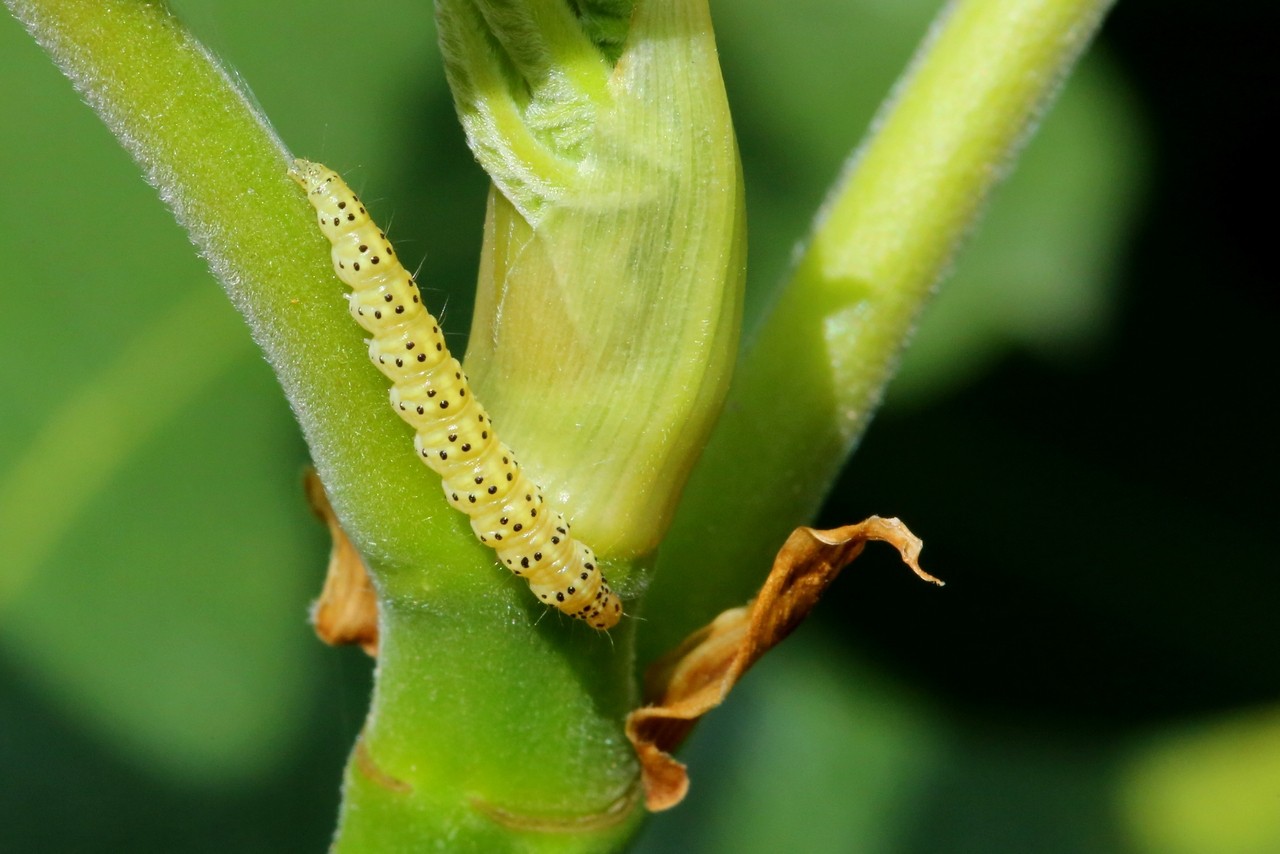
(1077, 433)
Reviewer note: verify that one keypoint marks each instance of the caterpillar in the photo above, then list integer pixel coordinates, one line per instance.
(454, 435)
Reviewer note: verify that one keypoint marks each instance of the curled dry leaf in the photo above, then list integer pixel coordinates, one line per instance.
(347, 610)
(685, 684)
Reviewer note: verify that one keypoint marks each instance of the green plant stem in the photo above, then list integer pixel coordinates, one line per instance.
(126, 412)
(489, 745)
(528, 717)
(217, 162)
(813, 374)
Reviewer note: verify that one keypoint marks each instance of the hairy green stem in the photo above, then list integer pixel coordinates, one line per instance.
(813, 374)
(505, 720)
(489, 745)
(217, 162)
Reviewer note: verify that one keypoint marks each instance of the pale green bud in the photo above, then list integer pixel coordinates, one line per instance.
(609, 295)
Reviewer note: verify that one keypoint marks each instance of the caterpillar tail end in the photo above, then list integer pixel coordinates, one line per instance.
(610, 612)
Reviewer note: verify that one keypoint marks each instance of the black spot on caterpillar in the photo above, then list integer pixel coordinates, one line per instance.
(454, 435)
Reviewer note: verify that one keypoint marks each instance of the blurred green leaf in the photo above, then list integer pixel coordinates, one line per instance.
(819, 752)
(814, 752)
(172, 615)
(1212, 786)
(859, 779)
(344, 92)
(158, 558)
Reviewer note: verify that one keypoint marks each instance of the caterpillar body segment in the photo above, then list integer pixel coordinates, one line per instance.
(453, 434)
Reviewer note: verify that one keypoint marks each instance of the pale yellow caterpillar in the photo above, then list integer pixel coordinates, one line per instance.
(454, 435)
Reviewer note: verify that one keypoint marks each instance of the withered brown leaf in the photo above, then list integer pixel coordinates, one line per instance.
(688, 682)
(347, 610)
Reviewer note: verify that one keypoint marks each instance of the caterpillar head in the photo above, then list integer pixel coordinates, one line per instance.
(338, 209)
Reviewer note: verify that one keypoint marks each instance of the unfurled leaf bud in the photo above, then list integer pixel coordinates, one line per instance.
(609, 296)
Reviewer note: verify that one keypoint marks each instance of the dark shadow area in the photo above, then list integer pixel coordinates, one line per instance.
(1108, 533)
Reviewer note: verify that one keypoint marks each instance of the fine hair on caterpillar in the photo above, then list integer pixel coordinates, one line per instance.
(453, 435)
